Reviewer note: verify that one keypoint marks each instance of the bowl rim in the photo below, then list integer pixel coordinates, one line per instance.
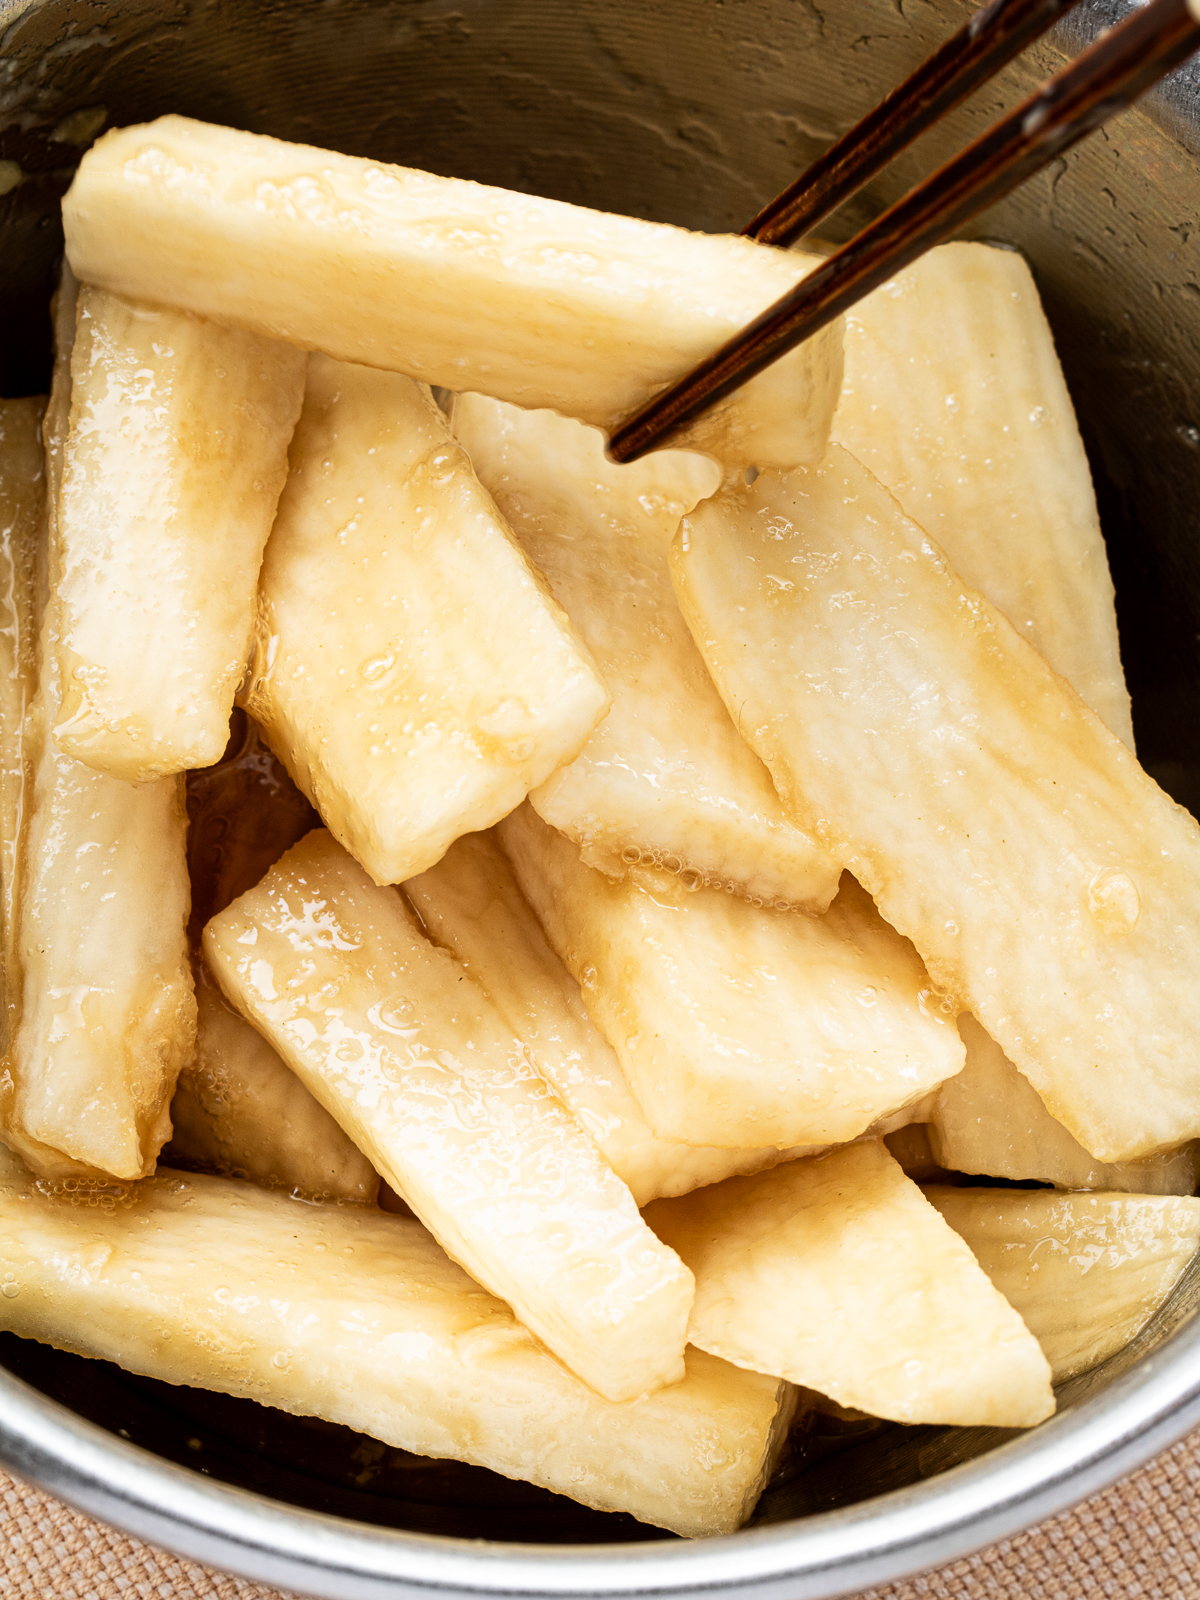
(831, 1553)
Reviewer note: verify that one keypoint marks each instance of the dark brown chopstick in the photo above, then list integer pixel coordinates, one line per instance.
(1106, 78)
(989, 41)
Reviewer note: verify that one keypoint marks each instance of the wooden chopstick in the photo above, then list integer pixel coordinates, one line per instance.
(991, 39)
(1122, 64)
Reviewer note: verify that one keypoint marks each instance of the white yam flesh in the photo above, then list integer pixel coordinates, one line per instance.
(954, 398)
(989, 1120)
(175, 459)
(101, 1009)
(471, 905)
(1086, 1271)
(108, 1015)
(22, 524)
(459, 285)
(360, 1318)
(1052, 888)
(736, 1024)
(837, 1273)
(406, 1052)
(665, 779)
(240, 1112)
(409, 669)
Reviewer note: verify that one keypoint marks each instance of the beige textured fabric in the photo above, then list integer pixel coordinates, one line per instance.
(1139, 1540)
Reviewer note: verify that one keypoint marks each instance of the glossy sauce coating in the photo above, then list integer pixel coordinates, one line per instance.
(239, 1110)
(359, 1318)
(243, 813)
(471, 905)
(409, 668)
(453, 283)
(735, 1024)
(837, 1273)
(990, 1120)
(954, 398)
(102, 1011)
(22, 514)
(665, 779)
(1085, 1271)
(172, 470)
(407, 1053)
(1050, 885)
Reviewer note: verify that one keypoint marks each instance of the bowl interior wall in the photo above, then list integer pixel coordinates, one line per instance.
(685, 111)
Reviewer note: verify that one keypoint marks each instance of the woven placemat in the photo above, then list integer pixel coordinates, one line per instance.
(1139, 1540)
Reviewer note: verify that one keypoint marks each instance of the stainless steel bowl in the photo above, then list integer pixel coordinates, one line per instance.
(689, 111)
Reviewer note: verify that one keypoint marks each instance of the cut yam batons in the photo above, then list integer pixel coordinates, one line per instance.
(837, 1273)
(31, 436)
(1051, 886)
(107, 1015)
(470, 904)
(99, 992)
(240, 1112)
(32, 489)
(410, 669)
(1086, 1271)
(954, 398)
(173, 466)
(359, 1318)
(990, 1121)
(918, 1112)
(406, 1052)
(737, 1024)
(456, 284)
(22, 524)
(665, 779)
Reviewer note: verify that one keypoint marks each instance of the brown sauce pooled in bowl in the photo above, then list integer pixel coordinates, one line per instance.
(243, 813)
